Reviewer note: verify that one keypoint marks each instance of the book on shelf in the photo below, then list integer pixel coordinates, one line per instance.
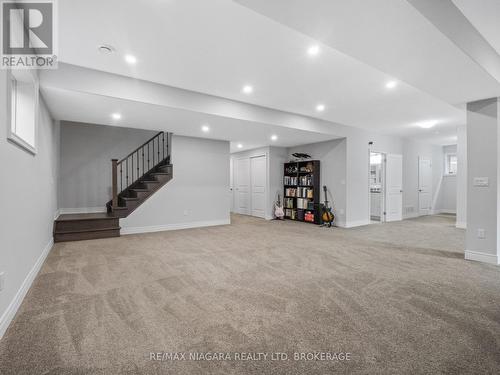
(290, 192)
(288, 203)
(306, 180)
(302, 203)
(290, 180)
(309, 216)
(292, 214)
(305, 192)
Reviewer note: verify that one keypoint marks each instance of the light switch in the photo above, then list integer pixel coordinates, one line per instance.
(481, 181)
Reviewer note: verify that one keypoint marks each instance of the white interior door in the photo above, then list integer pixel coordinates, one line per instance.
(394, 187)
(424, 186)
(242, 192)
(258, 177)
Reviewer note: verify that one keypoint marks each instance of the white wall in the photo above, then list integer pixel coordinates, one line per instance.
(276, 156)
(28, 204)
(483, 138)
(86, 153)
(198, 195)
(345, 168)
(332, 155)
(462, 177)
(358, 166)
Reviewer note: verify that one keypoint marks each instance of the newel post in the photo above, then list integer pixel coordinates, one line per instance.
(114, 182)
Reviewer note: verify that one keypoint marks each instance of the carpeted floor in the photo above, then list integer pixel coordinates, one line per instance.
(399, 298)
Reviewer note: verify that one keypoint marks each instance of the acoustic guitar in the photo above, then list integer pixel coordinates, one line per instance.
(327, 211)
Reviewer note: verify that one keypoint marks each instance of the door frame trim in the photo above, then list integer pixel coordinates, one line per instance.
(384, 188)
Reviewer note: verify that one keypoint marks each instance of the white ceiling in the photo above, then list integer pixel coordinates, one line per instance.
(485, 16)
(95, 109)
(217, 46)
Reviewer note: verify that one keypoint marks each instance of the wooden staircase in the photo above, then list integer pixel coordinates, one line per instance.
(135, 178)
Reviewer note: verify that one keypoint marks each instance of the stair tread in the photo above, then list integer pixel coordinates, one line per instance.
(150, 182)
(129, 199)
(139, 189)
(86, 230)
(89, 216)
(160, 173)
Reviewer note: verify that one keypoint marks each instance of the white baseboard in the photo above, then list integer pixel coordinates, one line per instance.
(359, 223)
(461, 225)
(444, 211)
(14, 305)
(82, 210)
(482, 257)
(412, 216)
(161, 228)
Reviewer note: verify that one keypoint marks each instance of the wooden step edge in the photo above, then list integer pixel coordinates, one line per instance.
(86, 230)
(87, 219)
(119, 208)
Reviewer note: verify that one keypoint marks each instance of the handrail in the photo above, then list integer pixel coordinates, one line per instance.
(138, 163)
(138, 148)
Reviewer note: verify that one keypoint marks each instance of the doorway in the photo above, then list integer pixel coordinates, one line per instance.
(424, 186)
(250, 185)
(386, 187)
(377, 186)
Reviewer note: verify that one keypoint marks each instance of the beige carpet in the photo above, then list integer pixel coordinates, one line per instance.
(398, 297)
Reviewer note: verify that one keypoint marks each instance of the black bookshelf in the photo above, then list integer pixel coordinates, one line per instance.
(302, 191)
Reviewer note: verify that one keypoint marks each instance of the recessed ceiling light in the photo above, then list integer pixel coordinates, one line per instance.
(205, 128)
(130, 59)
(391, 84)
(247, 89)
(313, 50)
(427, 124)
(106, 49)
(320, 107)
(116, 116)
(274, 137)
(239, 145)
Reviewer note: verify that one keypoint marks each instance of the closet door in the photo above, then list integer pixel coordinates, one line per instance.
(258, 177)
(242, 175)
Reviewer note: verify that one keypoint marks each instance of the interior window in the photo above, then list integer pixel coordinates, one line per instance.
(451, 164)
(24, 100)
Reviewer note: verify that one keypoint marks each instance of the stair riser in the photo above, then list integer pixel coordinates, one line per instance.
(165, 169)
(141, 194)
(150, 186)
(62, 237)
(85, 224)
(163, 178)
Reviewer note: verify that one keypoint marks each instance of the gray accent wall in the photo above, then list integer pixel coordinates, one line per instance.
(86, 153)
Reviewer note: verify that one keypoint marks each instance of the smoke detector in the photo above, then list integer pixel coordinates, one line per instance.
(106, 49)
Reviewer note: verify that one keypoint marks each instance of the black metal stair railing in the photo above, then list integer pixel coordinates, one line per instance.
(129, 170)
